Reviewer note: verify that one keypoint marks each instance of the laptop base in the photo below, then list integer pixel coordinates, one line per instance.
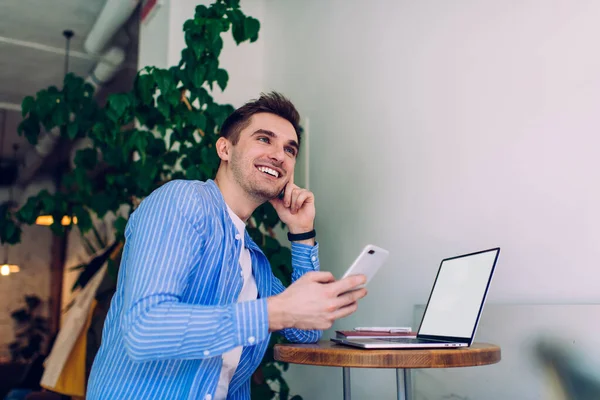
(397, 344)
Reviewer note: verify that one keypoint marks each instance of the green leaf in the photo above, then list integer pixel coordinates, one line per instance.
(201, 12)
(163, 80)
(262, 391)
(30, 128)
(9, 231)
(271, 217)
(217, 10)
(284, 389)
(222, 78)
(156, 146)
(118, 104)
(27, 105)
(101, 203)
(197, 46)
(197, 119)
(270, 245)
(145, 87)
(60, 114)
(170, 158)
(163, 107)
(72, 130)
(251, 28)
(86, 158)
(46, 202)
(211, 65)
(232, 3)
(198, 76)
(173, 97)
(271, 372)
(237, 25)
(120, 224)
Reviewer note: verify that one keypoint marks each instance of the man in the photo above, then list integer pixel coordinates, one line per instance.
(196, 300)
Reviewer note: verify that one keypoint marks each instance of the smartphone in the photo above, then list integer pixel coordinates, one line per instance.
(368, 262)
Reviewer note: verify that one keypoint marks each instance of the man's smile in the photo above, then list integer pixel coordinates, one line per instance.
(269, 171)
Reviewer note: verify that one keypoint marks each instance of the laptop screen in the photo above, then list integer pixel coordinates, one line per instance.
(458, 295)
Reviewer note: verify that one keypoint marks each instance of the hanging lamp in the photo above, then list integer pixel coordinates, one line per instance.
(47, 220)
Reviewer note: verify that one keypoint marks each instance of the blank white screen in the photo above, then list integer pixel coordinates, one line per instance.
(457, 296)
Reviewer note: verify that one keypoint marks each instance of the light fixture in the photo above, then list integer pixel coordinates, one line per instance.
(7, 269)
(47, 220)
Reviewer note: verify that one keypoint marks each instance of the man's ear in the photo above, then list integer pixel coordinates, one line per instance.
(223, 147)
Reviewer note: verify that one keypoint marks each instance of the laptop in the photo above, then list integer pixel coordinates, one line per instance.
(454, 307)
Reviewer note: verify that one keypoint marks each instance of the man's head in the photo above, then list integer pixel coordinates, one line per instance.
(272, 103)
(258, 146)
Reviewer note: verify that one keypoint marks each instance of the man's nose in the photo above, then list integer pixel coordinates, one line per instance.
(277, 155)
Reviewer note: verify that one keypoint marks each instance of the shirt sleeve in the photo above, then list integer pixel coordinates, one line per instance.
(163, 245)
(305, 258)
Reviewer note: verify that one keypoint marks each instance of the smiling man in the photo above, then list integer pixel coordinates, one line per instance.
(196, 300)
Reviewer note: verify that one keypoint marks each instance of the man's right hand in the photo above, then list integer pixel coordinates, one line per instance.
(314, 301)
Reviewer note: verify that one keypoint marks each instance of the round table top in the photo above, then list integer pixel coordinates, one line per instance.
(330, 354)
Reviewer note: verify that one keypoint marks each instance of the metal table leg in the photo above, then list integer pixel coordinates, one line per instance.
(346, 375)
(403, 384)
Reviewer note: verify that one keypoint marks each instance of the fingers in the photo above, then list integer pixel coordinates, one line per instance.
(348, 298)
(344, 311)
(299, 198)
(289, 188)
(349, 283)
(319, 276)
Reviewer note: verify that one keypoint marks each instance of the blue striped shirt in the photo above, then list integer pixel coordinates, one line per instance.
(175, 312)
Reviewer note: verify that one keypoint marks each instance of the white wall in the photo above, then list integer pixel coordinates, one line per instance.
(439, 128)
(153, 48)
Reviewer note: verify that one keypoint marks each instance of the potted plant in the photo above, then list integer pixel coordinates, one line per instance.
(178, 126)
(31, 331)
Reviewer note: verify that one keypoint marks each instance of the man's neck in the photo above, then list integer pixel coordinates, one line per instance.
(242, 204)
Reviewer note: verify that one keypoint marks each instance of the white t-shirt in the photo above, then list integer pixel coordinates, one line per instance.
(231, 359)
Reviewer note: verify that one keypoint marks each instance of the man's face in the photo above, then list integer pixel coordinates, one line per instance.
(263, 160)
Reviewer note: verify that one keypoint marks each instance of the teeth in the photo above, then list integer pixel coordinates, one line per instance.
(269, 171)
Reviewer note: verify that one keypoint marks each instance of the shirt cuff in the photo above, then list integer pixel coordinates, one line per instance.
(305, 257)
(252, 321)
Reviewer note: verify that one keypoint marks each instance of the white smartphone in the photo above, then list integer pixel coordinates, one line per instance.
(368, 262)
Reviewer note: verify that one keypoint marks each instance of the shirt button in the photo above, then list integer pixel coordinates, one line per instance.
(251, 339)
(242, 273)
(208, 397)
(237, 236)
(206, 352)
(314, 258)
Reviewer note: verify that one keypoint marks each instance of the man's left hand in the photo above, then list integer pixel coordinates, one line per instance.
(296, 209)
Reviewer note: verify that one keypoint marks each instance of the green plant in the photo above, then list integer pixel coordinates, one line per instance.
(179, 123)
(31, 333)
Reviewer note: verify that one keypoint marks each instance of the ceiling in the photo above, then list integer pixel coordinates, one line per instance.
(32, 54)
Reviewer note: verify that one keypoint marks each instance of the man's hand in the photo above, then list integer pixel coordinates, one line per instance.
(315, 301)
(297, 208)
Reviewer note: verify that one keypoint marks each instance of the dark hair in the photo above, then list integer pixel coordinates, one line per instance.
(272, 103)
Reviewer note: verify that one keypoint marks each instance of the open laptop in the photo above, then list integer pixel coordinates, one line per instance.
(454, 306)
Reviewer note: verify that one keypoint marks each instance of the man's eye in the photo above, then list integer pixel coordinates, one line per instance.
(291, 150)
(264, 139)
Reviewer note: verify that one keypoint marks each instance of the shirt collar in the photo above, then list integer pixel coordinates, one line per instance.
(220, 200)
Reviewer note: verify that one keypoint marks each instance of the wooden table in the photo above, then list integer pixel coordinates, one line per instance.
(329, 354)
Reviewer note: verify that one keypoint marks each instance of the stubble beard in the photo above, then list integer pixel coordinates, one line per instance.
(251, 185)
